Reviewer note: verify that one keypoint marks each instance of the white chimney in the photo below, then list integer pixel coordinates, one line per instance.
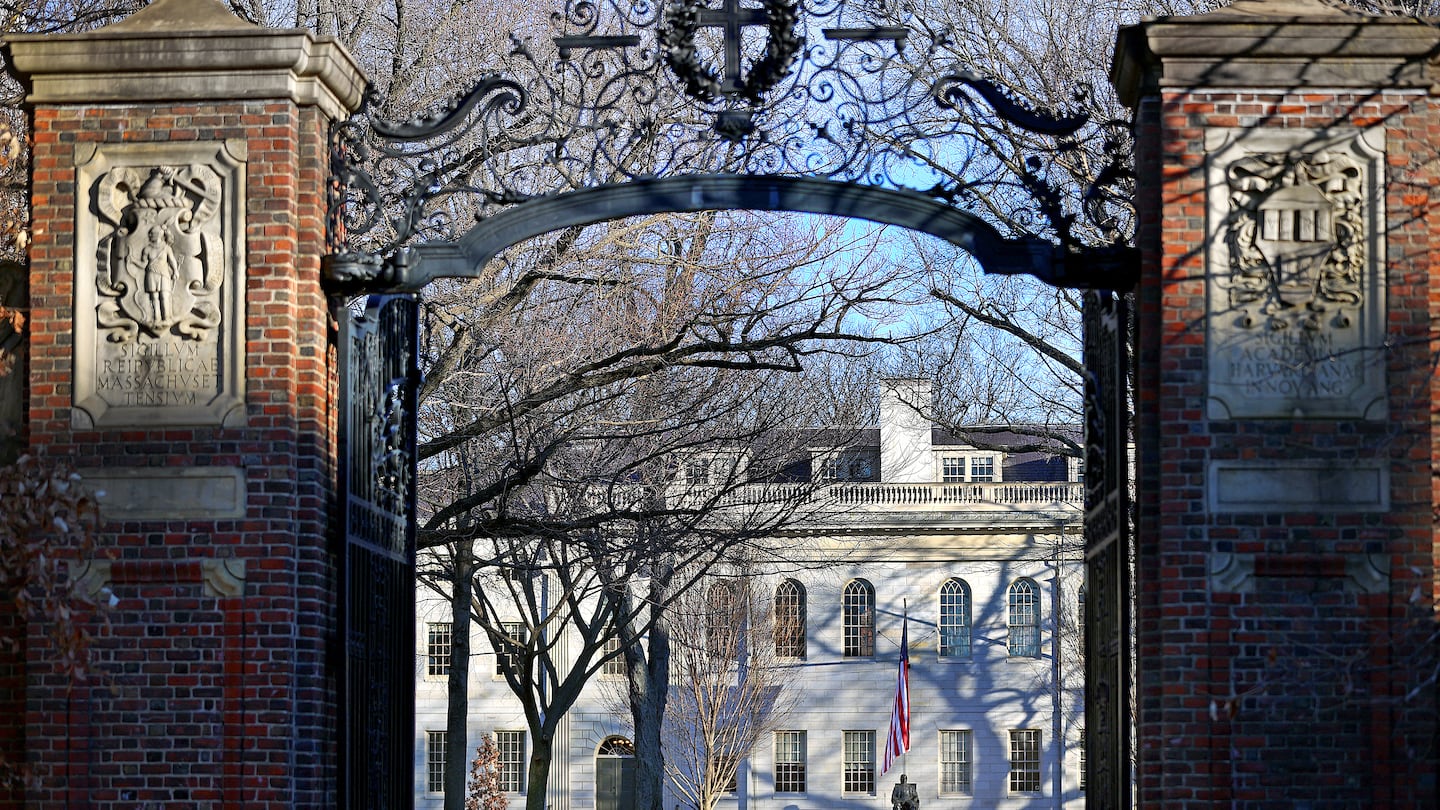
(906, 456)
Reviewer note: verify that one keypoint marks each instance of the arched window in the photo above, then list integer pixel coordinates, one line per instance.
(954, 619)
(858, 612)
(1024, 619)
(721, 633)
(790, 620)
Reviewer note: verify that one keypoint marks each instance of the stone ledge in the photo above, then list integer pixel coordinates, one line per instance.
(220, 578)
(1356, 573)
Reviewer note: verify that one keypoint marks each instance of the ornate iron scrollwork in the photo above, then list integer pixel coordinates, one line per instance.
(628, 90)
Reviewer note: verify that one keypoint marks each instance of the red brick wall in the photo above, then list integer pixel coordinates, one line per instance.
(12, 703)
(198, 700)
(1299, 694)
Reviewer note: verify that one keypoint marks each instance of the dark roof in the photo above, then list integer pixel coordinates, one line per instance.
(1004, 437)
(1021, 465)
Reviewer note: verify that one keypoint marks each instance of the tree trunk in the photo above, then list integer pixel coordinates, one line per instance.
(457, 746)
(537, 780)
(649, 689)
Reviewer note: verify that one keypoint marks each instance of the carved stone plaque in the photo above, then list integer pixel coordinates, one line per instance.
(159, 284)
(1295, 275)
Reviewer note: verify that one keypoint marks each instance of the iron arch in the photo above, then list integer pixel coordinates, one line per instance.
(414, 267)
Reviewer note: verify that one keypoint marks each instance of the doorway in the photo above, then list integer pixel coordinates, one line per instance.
(615, 775)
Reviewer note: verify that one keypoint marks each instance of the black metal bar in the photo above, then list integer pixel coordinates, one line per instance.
(876, 34)
(1107, 553)
(568, 44)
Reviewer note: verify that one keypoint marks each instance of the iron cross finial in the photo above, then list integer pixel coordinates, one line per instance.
(683, 18)
(731, 19)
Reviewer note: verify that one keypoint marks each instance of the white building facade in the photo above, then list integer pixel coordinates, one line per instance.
(981, 549)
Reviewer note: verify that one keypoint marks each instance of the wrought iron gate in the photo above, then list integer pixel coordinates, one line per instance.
(378, 385)
(1107, 552)
(838, 116)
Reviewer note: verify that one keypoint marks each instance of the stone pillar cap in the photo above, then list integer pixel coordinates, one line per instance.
(187, 50)
(180, 17)
(1284, 8)
(1280, 44)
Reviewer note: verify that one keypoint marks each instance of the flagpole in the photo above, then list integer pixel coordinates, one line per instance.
(897, 741)
(904, 644)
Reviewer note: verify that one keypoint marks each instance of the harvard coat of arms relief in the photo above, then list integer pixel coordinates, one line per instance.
(1297, 239)
(1296, 279)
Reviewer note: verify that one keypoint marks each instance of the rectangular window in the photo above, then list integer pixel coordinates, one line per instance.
(510, 647)
(437, 653)
(1024, 761)
(728, 766)
(982, 468)
(613, 667)
(952, 469)
(510, 776)
(859, 773)
(789, 762)
(697, 473)
(955, 762)
(1081, 746)
(435, 761)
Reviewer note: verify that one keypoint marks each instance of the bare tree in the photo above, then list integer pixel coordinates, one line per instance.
(616, 528)
(728, 689)
(1008, 359)
(569, 418)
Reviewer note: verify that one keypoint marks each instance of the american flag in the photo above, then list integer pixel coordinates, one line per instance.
(899, 741)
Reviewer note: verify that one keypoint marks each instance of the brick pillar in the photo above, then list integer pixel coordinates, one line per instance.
(1286, 391)
(181, 356)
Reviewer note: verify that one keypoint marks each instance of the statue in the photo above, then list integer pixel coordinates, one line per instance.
(904, 796)
(158, 263)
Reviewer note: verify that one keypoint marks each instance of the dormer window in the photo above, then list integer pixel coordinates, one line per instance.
(969, 468)
(846, 467)
(697, 472)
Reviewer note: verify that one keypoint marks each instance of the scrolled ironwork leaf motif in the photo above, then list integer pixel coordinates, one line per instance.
(948, 93)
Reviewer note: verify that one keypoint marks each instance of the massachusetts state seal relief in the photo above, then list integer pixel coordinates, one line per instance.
(160, 265)
(159, 270)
